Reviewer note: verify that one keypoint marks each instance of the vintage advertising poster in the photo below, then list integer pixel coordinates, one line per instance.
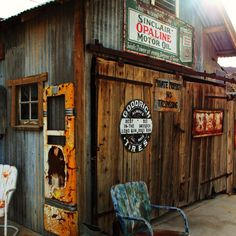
(207, 122)
(167, 95)
(152, 32)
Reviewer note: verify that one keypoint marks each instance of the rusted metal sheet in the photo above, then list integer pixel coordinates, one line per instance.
(59, 221)
(65, 166)
(59, 162)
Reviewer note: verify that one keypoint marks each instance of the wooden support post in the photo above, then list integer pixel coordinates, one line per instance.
(81, 102)
(2, 51)
(230, 148)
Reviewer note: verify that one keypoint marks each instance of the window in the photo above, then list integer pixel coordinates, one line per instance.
(168, 5)
(27, 101)
(28, 104)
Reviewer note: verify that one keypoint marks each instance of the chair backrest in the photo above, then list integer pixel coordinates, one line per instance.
(131, 199)
(8, 179)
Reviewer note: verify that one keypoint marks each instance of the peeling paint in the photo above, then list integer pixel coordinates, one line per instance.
(59, 221)
(60, 167)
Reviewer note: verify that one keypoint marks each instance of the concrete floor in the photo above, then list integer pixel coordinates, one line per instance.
(214, 217)
(22, 230)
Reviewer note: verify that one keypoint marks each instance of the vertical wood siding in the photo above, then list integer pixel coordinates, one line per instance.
(176, 167)
(41, 44)
(179, 166)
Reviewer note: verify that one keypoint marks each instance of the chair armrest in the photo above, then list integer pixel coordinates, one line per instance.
(181, 212)
(147, 224)
(7, 193)
(10, 190)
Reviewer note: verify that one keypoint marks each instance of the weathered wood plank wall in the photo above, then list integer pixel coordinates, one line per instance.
(177, 167)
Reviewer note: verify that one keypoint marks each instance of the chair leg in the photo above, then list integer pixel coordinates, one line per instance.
(5, 225)
(15, 228)
(12, 227)
(5, 221)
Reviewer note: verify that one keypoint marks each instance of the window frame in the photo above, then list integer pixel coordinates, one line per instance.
(166, 9)
(29, 102)
(14, 84)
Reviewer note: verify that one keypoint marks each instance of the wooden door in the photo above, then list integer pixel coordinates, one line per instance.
(115, 163)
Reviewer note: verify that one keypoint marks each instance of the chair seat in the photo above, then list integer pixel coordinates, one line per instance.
(133, 208)
(164, 233)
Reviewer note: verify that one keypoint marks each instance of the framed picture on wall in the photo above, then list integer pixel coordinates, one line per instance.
(207, 123)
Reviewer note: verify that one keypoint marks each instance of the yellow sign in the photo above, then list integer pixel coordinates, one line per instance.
(167, 95)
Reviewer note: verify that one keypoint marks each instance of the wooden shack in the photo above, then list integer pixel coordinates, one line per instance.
(104, 92)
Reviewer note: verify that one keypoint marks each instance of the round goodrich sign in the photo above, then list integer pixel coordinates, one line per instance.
(136, 126)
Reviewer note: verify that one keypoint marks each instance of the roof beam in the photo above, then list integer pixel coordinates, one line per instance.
(214, 29)
(229, 26)
(152, 63)
(226, 53)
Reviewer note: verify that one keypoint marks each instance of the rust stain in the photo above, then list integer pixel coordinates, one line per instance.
(60, 167)
(56, 163)
(61, 160)
(5, 174)
(59, 221)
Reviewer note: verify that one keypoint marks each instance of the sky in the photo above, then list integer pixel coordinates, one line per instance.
(230, 7)
(13, 7)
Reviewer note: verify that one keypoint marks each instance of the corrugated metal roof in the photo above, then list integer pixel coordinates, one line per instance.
(218, 26)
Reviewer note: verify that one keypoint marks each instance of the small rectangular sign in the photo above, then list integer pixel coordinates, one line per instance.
(147, 31)
(167, 95)
(207, 122)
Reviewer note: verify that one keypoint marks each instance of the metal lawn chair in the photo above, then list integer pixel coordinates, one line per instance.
(8, 178)
(133, 210)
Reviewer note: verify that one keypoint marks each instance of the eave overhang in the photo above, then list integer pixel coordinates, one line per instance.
(218, 26)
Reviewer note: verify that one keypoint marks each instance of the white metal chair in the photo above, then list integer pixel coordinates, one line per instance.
(8, 179)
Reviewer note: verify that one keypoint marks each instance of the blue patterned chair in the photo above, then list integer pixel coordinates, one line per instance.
(133, 210)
